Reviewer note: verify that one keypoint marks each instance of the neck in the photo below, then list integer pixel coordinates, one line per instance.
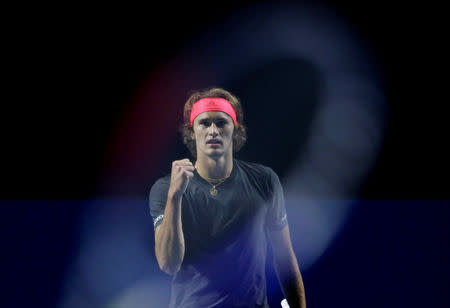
(214, 168)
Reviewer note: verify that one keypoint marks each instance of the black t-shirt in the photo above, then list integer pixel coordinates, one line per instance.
(225, 238)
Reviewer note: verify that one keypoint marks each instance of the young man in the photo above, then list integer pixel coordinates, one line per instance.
(212, 218)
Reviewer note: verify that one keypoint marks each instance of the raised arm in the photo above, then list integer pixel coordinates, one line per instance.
(169, 238)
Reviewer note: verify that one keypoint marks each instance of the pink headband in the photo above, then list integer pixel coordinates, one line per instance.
(212, 104)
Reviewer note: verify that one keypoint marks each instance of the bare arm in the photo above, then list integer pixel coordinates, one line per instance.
(169, 238)
(286, 267)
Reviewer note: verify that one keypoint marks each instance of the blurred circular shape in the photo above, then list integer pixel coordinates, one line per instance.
(244, 51)
(300, 59)
(312, 96)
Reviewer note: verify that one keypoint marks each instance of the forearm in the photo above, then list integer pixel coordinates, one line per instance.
(291, 281)
(169, 244)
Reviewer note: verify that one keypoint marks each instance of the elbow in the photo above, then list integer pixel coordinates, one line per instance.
(169, 269)
(167, 266)
(170, 262)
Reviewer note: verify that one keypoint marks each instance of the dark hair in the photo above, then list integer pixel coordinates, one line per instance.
(239, 133)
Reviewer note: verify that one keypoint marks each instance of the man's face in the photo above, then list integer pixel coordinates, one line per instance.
(213, 133)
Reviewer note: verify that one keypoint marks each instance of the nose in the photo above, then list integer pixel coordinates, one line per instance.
(213, 130)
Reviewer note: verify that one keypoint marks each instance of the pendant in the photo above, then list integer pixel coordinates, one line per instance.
(213, 191)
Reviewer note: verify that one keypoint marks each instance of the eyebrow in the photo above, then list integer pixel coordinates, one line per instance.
(219, 118)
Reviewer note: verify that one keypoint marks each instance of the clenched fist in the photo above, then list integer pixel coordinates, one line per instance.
(182, 172)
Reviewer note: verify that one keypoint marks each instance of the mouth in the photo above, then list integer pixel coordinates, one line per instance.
(214, 142)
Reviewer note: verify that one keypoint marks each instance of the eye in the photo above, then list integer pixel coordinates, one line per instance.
(205, 122)
(221, 123)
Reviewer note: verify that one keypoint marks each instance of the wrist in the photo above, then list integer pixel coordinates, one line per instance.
(174, 197)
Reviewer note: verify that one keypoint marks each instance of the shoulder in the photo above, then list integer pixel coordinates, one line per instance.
(262, 177)
(163, 180)
(161, 185)
(255, 168)
(259, 173)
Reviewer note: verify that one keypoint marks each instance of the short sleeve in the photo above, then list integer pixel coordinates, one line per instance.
(276, 216)
(158, 199)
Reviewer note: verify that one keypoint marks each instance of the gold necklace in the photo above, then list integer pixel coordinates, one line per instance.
(213, 191)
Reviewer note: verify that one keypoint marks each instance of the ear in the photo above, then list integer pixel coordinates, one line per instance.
(235, 128)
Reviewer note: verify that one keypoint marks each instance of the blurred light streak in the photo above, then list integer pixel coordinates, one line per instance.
(116, 260)
(313, 224)
(116, 251)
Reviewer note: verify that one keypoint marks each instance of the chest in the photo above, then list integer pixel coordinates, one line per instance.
(238, 205)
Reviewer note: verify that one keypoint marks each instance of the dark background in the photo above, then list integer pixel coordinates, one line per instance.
(71, 70)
